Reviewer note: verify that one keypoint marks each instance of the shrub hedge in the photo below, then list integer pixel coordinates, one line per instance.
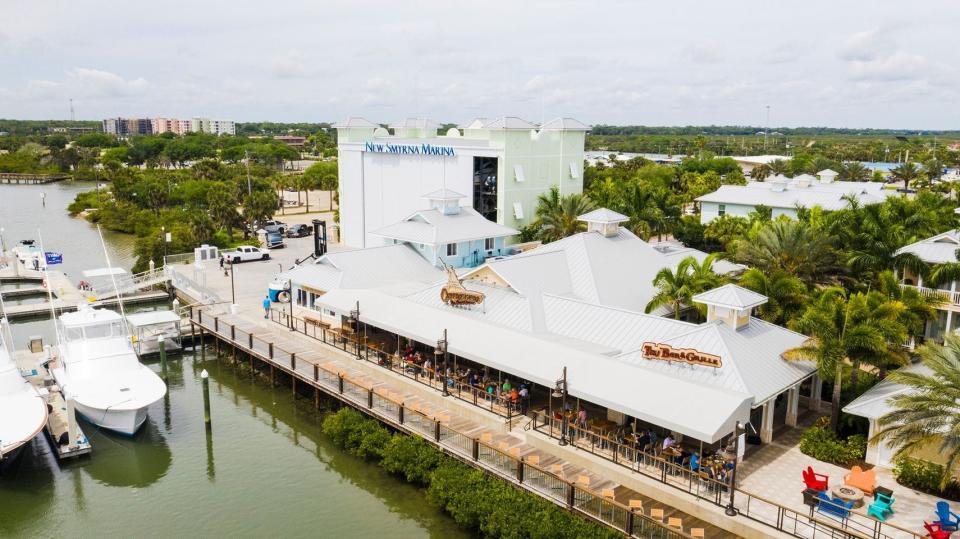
(475, 500)
(925, 476)
(821, 443)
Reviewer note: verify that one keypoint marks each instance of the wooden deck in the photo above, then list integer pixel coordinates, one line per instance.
(406, 409)
(57, 425)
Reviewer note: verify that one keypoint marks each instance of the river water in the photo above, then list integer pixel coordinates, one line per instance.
(264, 469)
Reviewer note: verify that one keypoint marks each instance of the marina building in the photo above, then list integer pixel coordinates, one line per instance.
(575, 306)
(500, 166)
(785, 195)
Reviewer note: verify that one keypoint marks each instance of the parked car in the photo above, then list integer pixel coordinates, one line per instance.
(299, 231)
(266, 225)
(245, 253)
(273, 240)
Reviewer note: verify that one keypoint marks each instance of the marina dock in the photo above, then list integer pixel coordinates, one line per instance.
(32, 179)
(59, 418)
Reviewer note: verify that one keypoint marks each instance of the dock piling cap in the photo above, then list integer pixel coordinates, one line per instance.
(159, 338)
(204, 374)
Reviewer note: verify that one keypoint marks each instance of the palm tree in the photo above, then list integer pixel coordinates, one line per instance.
(557, 216)
(645, 207)
(847, 329)
(779, 166)
(854, 171)
(793, 247)
(786, 294)
(929, 414)
(906, 172)
(932, 170)
(760, 172)
(918, 308)
(677, 286)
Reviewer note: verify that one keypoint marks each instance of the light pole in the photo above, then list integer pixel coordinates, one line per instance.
(355, 320)
(441, 352)
(560, 392)
(233, 294)
(731, 511)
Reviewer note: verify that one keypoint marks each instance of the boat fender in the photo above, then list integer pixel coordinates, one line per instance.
(64, 438)
(44, 283)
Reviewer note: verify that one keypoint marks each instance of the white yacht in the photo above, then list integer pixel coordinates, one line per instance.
(23, 412)
(30, 254)
(98, 368)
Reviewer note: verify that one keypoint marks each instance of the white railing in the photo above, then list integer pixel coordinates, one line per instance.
(133, 283)
(945, 296)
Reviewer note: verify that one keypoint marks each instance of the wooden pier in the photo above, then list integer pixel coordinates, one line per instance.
(31, 179)
(58, 421)
(328, 372)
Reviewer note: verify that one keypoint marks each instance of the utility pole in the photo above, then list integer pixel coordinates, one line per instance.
(766, 130)
(73, 116)
(246, 154)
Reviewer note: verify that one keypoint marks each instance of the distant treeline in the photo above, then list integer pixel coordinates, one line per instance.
(40, 127)
(744, 130)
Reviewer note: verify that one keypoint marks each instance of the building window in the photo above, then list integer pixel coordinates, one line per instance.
(722, 209)
(518, 172)
(488, 244)
(574, 173)
(517, 210)
(451, 249)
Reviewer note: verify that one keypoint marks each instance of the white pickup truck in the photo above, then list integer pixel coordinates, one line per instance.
(245, 253)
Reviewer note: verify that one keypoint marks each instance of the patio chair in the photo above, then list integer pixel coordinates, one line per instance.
(657, 514)
(881, 505)
(697, 533)
(935, 531)
(816, 481)
(674, 522)
(947, 519)
(834, 507)
(636, 505)
(865, 480)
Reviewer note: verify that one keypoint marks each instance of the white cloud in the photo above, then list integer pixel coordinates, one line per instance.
(97, 84)
(290, 65)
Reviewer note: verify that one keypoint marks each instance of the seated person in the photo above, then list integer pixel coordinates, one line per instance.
(669, 442)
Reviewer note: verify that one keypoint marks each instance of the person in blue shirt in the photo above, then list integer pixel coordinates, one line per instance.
(266, 306)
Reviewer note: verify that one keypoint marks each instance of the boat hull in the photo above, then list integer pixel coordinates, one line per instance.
(126, 422)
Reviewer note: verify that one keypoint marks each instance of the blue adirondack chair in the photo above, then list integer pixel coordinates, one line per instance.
(833, 507)
(882, 504)
(948, 520)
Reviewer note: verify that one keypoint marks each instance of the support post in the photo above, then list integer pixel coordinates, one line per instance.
(269, 350)
(203, 349)
(766, 425)
(816, 389)
(400, 413)
(293, 361)
(216, 324)
(793, 402)
(520, 470)
(340, 383)
(436, 430)
(370, 398)
(163, 357)
(316, 372)
(205, 378)
(570, 495)
(476, 449)
(250, 341)
(233, 332)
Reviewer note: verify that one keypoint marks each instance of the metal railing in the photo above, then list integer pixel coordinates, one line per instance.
(500, 405)
(392, 410)
(944, 296)
(704, 487)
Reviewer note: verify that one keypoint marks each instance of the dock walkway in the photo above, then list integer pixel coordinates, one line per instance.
(503, 454)
(31, 364)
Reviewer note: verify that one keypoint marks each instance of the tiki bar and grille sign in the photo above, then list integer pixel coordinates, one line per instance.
(665, 352)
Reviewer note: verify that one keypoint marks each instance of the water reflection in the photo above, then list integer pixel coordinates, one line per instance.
(119, 461)
(211, 468)
(24, 486)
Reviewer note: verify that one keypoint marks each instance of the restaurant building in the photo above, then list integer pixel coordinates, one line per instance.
(500, 166)
(576, 306)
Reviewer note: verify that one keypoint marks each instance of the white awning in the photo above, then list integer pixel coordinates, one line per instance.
(103, 272)
(152, 318)
(705, 413)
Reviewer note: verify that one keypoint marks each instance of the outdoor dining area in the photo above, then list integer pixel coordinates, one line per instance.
(859, 490)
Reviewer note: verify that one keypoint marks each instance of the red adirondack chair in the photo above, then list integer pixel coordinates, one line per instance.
(935, 531)
(814, 480)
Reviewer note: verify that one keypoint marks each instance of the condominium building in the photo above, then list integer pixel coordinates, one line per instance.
(213, 127)
(123, 127)
(170, 125)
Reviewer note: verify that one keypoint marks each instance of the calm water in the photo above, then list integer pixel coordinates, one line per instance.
(265, 469)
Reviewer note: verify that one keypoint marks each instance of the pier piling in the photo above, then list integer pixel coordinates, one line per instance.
(205, 377)
(162, 347)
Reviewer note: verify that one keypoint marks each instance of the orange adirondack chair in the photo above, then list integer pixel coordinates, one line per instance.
(865, 480)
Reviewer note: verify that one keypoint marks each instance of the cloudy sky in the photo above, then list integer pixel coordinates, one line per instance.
(815, 63)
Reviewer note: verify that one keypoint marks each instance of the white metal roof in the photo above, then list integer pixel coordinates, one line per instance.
(828, 172)
(938, 249)
(762, 193)
(875, 403)
(704, 412)
(433, 227)
(443, 194)
(355, 121)
(565, 124)
(731, 296)
(152, 318)
(508, 122)
(372, 267)
(415, 123)
(603, 215)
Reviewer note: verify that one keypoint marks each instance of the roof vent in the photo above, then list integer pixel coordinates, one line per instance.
(778, 186)
(604, 221)
(731, 304)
